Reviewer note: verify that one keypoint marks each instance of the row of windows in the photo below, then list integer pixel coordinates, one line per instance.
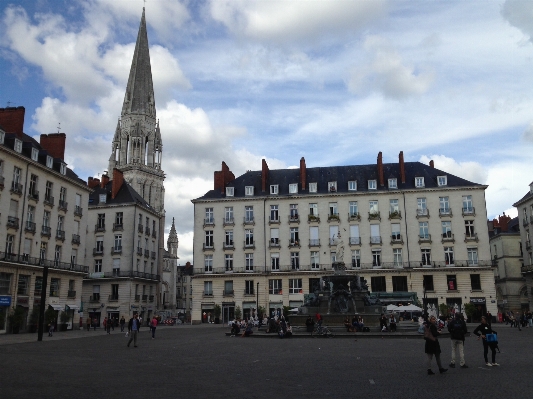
(394, 209)
(294, 258)
(116, 266)
(274, 287)
(23, 285)
(119, 223)
(332, 186)
(27, 251)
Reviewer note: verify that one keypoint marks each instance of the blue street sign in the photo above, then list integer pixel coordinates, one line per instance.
(5, 300)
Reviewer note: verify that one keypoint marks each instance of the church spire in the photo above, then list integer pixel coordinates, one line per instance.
(139, 97)
(172, 241)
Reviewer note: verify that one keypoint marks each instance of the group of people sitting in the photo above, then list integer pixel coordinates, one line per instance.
(279, 326)
(390, 320)
(246, 327)
(356, 325)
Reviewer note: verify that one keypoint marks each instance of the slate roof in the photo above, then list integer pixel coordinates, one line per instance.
(342, 175)
(524, 199)
(125, 195)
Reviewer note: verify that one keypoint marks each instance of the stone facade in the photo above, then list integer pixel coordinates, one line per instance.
(525, 214)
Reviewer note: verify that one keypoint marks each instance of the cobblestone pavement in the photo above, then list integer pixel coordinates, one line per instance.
(201, 362)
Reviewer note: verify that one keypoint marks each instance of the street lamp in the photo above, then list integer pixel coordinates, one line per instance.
(257, 301)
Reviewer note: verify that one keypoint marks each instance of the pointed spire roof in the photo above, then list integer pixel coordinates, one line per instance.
(172, 235)
(139, 98)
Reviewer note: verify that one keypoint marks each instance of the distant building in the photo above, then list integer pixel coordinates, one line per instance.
(43, 216)
(170, 270)
(525, 213)
(265, 238)
(506, 251)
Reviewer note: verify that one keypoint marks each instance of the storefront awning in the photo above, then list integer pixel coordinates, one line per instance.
(56, 306)
(73, 307)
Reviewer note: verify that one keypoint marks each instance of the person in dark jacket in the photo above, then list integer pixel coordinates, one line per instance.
(457, 329)
(310, 324)
(481, 331)
(432, 346)
(133, 328)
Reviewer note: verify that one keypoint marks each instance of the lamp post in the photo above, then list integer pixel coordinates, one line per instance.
(257, 301)
(424, 301)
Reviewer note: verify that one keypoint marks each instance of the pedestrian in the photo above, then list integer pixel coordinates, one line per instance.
(153, 325)
(383, 323)
(489, 318)
(113, 321)
(310, 324)
(89, 323)
(481, 331)
(105, 324)
(122, 323)
(208, 317)
(432, 346)
(108, 325)
(457, 329)
(95, 321)
(51, 328)
(133, 329)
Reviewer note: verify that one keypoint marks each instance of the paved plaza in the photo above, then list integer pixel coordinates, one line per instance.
(201, 362)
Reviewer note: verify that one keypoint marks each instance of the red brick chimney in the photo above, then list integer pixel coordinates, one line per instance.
(118, 180)
(92, 182)
(223, 177)
(303, 174)
(264, 175)
(504, 221)
(105, 180)
(402, 168)
(380, 169)
(54, 143)
(431, 164)
(12, 120)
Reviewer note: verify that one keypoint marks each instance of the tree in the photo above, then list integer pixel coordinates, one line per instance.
(16, 319)
(238, 312)
(470, 309)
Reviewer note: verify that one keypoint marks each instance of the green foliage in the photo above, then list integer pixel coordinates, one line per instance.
(238, 312)
(49, 316)
(64, 317)
(16, 317)
(262, 311)
(217, 310)
(34, 315)
(470, 309)
(286, 311)
(444, 310)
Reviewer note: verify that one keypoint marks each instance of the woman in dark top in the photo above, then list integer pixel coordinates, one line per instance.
(481, 331)
(432, 346)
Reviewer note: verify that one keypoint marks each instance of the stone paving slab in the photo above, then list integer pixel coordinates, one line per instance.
(201, 362)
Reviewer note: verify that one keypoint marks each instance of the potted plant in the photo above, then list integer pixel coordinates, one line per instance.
(444, 310)
(64, 317)
(238, 312)
(216, 312)
(16, 319)
(49, 316)
(34, 319)
(470, 309)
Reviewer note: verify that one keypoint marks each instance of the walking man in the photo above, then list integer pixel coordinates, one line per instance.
(153, 325)
(122, 323)
(133, 329)
(457, 329)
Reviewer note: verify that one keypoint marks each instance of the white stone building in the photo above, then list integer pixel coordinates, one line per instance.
(525, 213)
(265, 238)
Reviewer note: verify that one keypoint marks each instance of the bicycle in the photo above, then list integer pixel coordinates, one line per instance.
(322, 331)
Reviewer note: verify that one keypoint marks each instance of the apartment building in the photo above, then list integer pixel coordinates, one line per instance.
(264, 239)
(43, 216)
(123, 251)
(525, 213)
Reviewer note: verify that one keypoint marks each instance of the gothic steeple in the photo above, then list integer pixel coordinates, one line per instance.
(137, 147)
(172, 241)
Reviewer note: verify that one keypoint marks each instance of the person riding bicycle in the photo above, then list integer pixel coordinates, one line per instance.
(318, 319)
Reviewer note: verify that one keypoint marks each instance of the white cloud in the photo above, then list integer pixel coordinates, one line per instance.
(469, 170)
(528, 133)
(519, 13)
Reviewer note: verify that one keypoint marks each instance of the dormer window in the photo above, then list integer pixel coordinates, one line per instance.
(393, 183)
(293, 188)
(63, 169)
(249, 190)
(35, 154)
(312, 187)
(274, 189)
(49, 161)
(2, 136)
(372, 185)
(332, 186)
(352, 185)
(18, 146)
(419, 182)
(230, 191)
(102, 198)
(442, 180)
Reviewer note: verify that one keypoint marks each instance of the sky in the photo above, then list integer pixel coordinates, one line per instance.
(334, 81)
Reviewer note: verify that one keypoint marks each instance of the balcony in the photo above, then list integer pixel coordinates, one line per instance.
(33, 195)
(249, 244)
(46, 231)
(248, 220)
(140, 228)
(209, 222)
(395, 214)
(396, 239)
(98, 251)
(49, 200)
(469, 211)
(445, 212)
(273, 219)
(60, 235)
(274, 243)
(71, 294)
(118, 227)
(146, 253)
(62, 206)
(208, 246)
(94, 298)
(228, 221)
(29, 227)
(139, 252)
(25, 259)
(448, 237)
(150, 298)
(12, 222)
(313, 219)
(144, 298)
(207, 293)
(374, 216)
(422, 213)
(137, 298)
(227, 293)
(16, 188)
(355, 216)
(295, 218)
(355, 240)
(375, 240)
(152, 254)
(113, 298)
(424, 238)
(228, 245)
(147, 231)
(471, 237)
(116, 250)
(314, 242)
(154, 234)
(75, 239)
(333, 217)
(78, 211)
(294, 244)
(100, 227)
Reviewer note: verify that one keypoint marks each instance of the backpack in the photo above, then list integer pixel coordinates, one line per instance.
(457, 330)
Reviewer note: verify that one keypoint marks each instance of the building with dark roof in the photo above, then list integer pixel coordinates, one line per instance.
(524, 207)
(265, 237)
(43, 215)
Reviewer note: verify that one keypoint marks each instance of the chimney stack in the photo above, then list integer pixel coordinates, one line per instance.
(223, 177)
(380, 169)
(118, 180)
(264, 175)
(105, 180)
(92, 182)
(54, 143)
(303, 174)
(402, 168)
(12, 120)
(431, 164)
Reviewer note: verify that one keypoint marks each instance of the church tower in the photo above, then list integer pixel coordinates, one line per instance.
(137, 147)
(172, 242)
